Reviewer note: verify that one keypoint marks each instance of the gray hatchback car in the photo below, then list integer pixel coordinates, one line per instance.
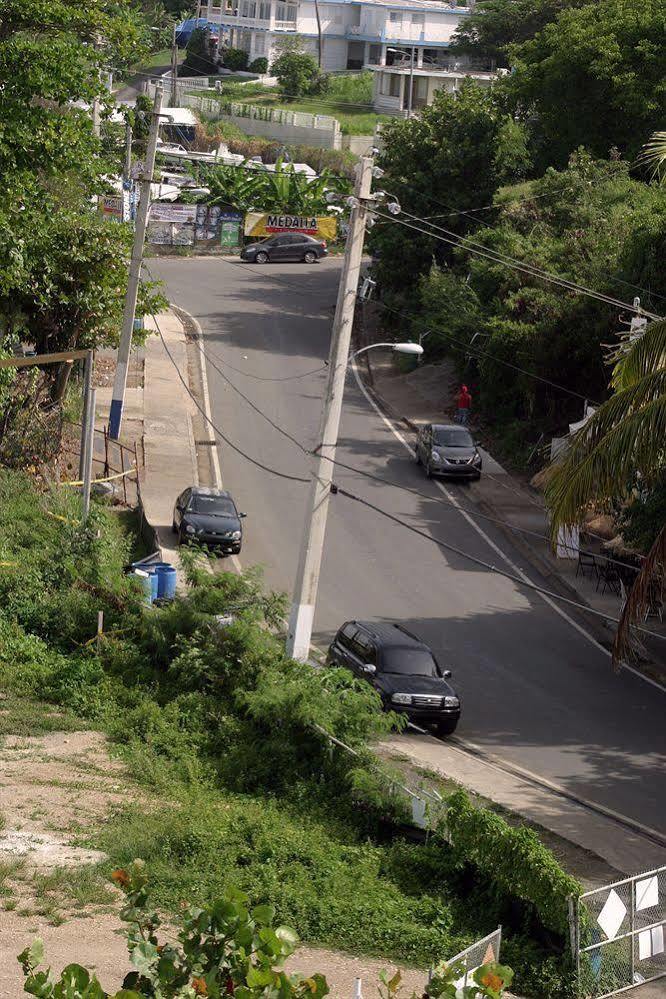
(448, 449)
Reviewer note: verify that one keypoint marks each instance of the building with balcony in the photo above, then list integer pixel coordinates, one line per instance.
(404, 43)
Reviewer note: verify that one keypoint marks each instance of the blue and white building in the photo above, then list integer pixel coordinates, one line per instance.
(404, 43)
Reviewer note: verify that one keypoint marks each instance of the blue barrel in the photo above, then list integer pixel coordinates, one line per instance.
(166, 582)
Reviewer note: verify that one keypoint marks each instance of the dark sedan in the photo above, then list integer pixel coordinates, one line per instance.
(448, 449)
(209, 517)
(285, 246)
(402, 669)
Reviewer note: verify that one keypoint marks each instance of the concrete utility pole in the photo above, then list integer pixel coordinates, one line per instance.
(127, 166)
(321, 472)
(89, 449)
(87, 389)
(174, 68)
(411, 83)
(120, 381)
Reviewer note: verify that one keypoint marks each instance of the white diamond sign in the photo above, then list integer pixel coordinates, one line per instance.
(647, 893)
(612, 915)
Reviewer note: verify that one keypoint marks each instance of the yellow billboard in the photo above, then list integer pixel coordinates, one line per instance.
(323, 227)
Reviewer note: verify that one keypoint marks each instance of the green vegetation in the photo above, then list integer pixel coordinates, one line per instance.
(347, 98)
(298, 75)
(226, 948)
(235, 59)
(216, 722)
(281, 190)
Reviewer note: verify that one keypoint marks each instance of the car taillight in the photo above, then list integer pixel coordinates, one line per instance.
(323, 244)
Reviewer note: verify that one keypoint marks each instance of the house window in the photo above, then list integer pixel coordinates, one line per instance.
(264, 11)
(418, 18)
(375, 55)
(395, 17)
(249, 8)
(259, 44)
(286, 12)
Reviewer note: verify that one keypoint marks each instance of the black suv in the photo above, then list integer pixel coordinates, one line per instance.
(401, 668)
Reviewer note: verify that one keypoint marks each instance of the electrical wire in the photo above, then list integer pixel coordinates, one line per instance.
(339, 491)
(461, 345)
(234, 447)
(388, 482)
(478, 249)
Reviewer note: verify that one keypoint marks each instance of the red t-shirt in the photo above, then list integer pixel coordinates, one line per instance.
(464, 400)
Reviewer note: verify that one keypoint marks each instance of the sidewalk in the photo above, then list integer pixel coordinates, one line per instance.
(426, 396)
(163, 414)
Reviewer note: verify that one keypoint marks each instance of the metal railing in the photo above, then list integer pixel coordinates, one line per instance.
(619, 935)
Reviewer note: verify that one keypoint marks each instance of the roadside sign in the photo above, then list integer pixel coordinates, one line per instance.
(323, 227)
(230, 228)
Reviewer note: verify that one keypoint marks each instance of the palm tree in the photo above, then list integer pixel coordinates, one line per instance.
(622, 443)
(653, 154)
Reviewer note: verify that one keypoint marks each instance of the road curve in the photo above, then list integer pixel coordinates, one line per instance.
(534, 691)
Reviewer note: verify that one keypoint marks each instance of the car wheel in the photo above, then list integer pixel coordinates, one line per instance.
(174, 528)
(310, 257)
(445, 728)
(261, 257)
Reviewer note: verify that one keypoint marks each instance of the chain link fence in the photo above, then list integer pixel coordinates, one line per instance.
(619, 935)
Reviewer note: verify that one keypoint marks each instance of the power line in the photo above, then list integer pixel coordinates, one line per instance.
(470, 246)
(460, 344)
(388, 482)
(234, 447)
(338, 490)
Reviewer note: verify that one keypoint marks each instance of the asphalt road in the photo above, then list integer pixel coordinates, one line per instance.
(534, 690)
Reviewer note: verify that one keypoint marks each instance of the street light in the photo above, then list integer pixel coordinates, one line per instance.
(398, 348)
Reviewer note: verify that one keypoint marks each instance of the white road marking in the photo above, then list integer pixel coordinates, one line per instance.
(551, 603)
(217, 471)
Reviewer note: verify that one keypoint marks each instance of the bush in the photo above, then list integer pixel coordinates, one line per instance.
(513, 858)
(237, 59)
(298, 74)
(260, 66)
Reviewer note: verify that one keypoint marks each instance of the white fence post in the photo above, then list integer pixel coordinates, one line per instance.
(358, 994)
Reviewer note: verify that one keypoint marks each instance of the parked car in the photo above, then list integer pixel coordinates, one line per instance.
(448, 449)
(209, 517)
(285, 246)
(402, 669)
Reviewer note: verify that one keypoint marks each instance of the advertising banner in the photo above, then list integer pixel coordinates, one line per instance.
(322, 227)
(164, 211)
(115, 206)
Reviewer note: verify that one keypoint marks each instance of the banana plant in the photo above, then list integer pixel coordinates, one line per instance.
(282, 190)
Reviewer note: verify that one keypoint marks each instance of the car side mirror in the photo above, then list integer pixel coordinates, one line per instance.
(369, 669)
(447, 674)
(241, 515)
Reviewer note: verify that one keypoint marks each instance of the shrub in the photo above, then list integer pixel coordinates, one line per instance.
(298, 74)
(236, 59)
(511, 857)
(259, 65)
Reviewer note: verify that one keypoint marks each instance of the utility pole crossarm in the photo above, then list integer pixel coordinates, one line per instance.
(321, 471)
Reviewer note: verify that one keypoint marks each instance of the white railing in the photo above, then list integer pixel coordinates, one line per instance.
(285, 25)
(300, 119)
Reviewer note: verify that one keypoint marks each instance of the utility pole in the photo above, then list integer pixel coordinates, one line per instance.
(90, 447)
(174, 68)
(411, 84)
(127, 166)
(321, 471)
(125, 345)
(87, 388)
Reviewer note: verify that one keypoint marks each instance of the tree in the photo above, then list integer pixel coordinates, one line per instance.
(281, 191)
(197, 54)
(596, 78)
(62, 269)
(621, 444)
(452, 157)
(298, 74)
(591, 223)
(496, 25)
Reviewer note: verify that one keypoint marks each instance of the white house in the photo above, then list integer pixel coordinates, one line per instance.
(404, 42)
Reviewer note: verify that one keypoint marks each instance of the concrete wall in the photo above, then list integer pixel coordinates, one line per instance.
(293, 134)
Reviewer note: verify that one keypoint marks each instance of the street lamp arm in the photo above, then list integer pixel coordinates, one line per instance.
(398, 348)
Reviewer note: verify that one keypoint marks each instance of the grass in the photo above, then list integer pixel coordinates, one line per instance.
(337, 102)
(159, 58)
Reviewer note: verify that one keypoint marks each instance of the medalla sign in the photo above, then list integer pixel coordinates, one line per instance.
(265, 225)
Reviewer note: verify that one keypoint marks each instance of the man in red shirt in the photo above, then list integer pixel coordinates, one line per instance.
(464, 405)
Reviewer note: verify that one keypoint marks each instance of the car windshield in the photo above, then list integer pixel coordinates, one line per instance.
(212, 506)
(409, 662)
(452, 437)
